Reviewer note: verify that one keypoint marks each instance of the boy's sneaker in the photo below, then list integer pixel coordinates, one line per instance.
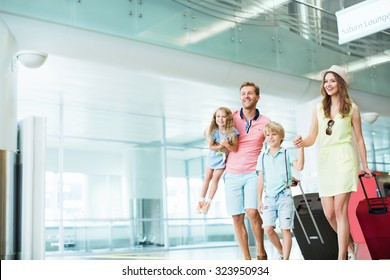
(205, 208)
(278, 256)
(199, 207)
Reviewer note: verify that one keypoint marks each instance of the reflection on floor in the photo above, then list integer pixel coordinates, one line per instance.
(209, 253)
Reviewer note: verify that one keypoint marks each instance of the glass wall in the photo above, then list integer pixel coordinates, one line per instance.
(124, 188)
(377, 138)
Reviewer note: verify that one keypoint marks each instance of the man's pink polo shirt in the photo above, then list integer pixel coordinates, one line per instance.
(250, 143)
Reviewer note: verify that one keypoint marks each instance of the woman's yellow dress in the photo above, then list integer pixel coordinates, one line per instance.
(337, 159)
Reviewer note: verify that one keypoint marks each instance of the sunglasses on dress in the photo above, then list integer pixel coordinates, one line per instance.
(329, 128)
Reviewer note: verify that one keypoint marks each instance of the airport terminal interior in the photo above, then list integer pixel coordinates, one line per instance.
(123, 99)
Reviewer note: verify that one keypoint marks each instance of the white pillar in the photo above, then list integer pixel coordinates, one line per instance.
(8, 143)
(32, 159)
(8, 89)
(144, 185)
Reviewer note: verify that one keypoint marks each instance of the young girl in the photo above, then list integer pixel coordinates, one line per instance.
(222, 136)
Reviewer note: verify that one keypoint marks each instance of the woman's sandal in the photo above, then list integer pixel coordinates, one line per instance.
(352, 256)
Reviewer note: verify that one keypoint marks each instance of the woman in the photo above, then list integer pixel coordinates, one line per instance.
(333, 121)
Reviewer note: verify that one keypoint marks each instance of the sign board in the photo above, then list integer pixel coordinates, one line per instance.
(360, 20)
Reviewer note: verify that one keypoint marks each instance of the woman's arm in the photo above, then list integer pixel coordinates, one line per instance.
(357, 129)
(312, 136)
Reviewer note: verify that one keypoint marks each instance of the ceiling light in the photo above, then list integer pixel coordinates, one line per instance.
(370, 117)
(30, 59)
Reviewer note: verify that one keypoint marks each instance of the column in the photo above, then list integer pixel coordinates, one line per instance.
(8, 143)
(144, 185)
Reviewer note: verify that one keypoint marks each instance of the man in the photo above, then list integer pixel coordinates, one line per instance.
(240, 174)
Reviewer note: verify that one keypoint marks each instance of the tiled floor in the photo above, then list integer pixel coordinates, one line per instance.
(229, 252)
(209, 253)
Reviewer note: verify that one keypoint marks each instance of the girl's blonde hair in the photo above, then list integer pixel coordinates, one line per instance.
(229, 123)
(345, 101)
(274, 127)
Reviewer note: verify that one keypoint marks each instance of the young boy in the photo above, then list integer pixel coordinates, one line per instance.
(274, 182)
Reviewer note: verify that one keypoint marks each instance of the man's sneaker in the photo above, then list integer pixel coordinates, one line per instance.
(262, 258)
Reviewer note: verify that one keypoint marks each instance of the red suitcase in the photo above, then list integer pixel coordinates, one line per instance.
(374, 219)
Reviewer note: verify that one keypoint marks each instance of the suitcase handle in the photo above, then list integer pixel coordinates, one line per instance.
(303, 203)
(311, 216)
(373, 210)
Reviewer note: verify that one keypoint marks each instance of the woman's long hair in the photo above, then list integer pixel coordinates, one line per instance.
(229, 123)
(345, 101)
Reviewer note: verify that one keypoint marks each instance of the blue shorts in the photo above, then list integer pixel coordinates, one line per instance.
(280, 206)
(240, 192)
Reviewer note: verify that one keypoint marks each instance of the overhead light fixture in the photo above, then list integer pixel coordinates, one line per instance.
(370, 117)
(30, 59)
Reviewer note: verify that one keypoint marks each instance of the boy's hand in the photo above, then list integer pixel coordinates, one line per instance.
(260, 207)
(295, 182)
(297, 141)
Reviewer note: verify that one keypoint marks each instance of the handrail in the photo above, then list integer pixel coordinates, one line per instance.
(281, 17)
